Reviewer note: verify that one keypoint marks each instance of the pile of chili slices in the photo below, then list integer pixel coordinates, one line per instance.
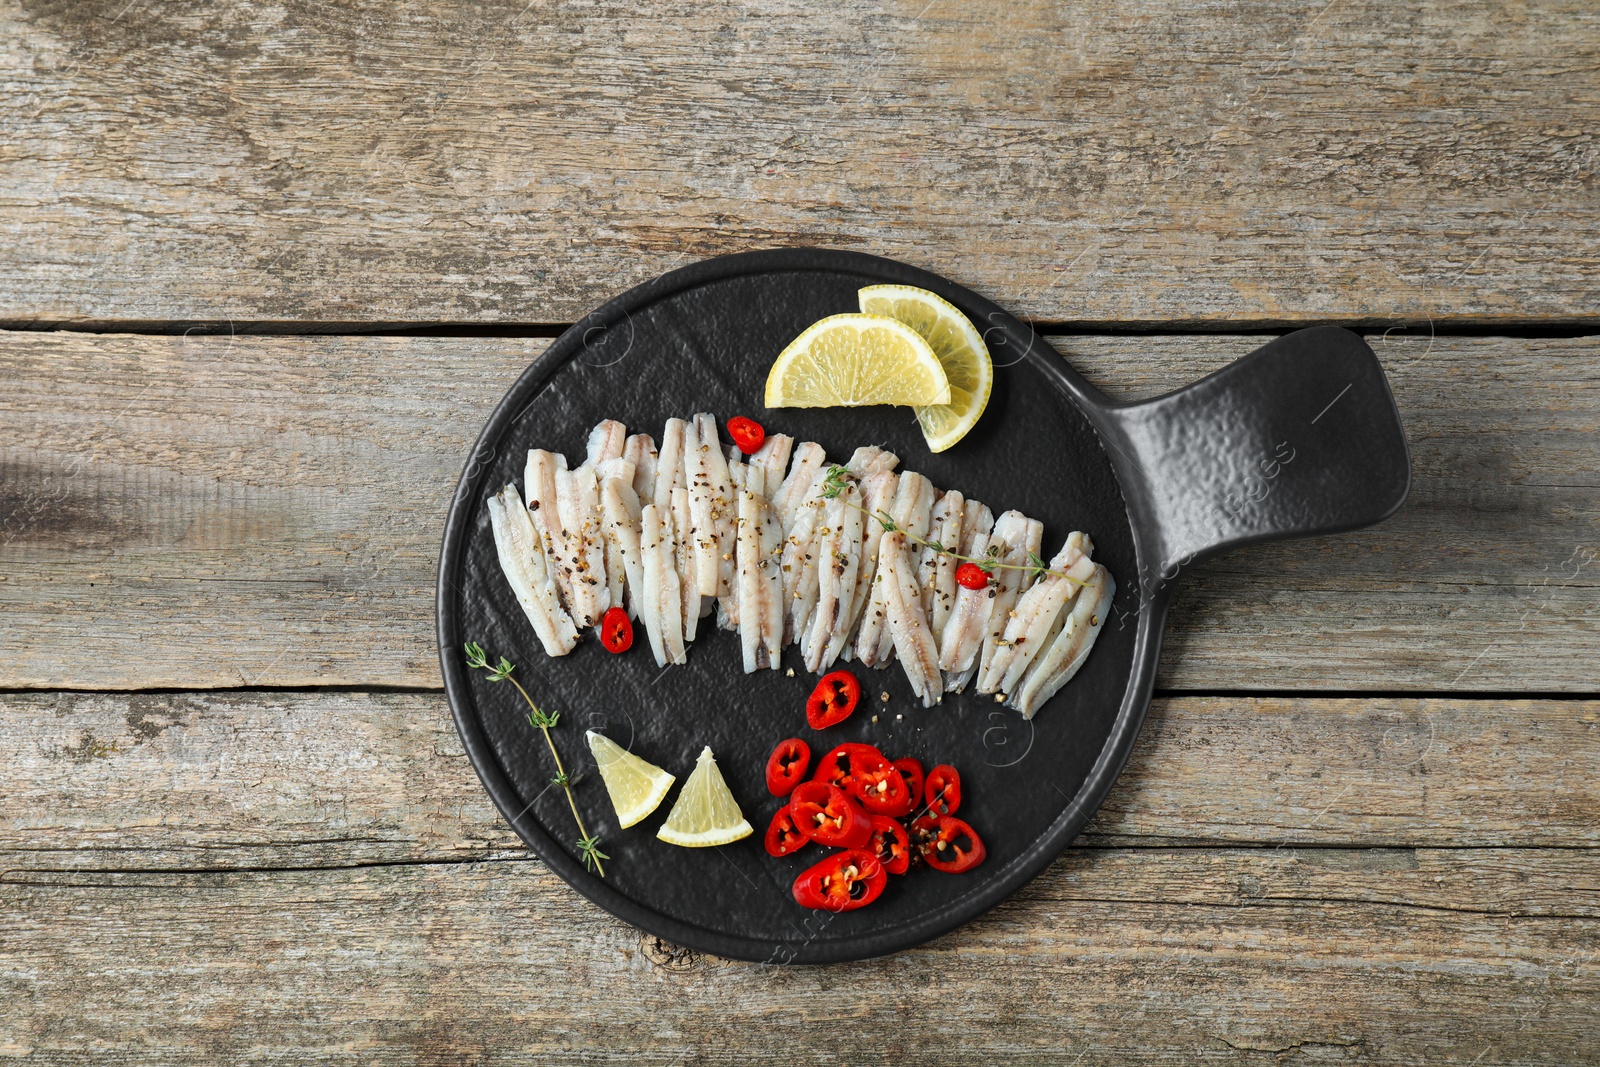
(881, 815)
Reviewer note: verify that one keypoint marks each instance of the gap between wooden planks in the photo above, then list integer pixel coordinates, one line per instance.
(201, 875)
(256, 511)
(1254, 162)
(199, 780)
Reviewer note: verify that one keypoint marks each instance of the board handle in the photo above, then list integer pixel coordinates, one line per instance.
(1301, 437)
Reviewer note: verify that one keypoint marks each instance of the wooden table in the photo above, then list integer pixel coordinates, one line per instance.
(266, 268)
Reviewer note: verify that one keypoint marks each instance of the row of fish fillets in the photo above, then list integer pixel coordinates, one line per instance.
(684, 531)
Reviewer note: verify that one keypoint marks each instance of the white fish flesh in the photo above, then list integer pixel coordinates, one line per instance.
(800, 558)
(539, 482)
(1038, 611)
(661, 607)
(913, 503)
(619, 508)
(578, 504)
(773, 459)
(641, 450)
(908, 626)
(760, 585)
(936, 570)
(976, 527)
(787, 497)
(712, 465)
(1009, 583)
(803, 554)
(683, 547)
(1061, 661)
(870, 459)
(669, 464)
(702, 505)
(838, 561)
(962, 638)
(524, 563)
(606, 441)
(877, 496)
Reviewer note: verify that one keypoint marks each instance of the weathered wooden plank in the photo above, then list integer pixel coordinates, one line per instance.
(206, 511)
(498, 962)
(251, 779)
(1162, 163)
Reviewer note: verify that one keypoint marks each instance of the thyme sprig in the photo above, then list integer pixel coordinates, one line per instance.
(839, 477)
(588, 846)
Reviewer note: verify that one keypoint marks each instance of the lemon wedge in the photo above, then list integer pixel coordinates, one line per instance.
(637, 787)
(961, 352)
(855, 360)
(705, 813)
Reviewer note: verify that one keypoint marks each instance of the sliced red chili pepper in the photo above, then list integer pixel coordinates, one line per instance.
(616, 631)
(971, 576)
(842, 882)
(746, 433)
(782, 835)
(890, 844)
(827, 816)
(943, 790)
(881, 788)
(787, 766)
(835, 697)
(910, 769)
(839, 766)
(953, 846)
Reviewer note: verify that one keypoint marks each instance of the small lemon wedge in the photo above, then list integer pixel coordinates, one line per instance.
(637, 787)
(961, 352)
(705, 813)
(855, 360)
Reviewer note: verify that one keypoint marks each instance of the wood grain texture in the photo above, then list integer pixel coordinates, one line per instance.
(194, 877)
(283, 780)
(1096, 162)
(205, 511)
(1159, 958)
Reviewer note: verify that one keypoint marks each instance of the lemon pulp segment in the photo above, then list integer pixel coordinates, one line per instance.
(856, 360)
(637, 786)
(960, 350)
(705, 812)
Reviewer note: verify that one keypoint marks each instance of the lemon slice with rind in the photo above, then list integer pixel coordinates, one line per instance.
(961, 352)
(705, 813)
(856, 360)
(637, 787)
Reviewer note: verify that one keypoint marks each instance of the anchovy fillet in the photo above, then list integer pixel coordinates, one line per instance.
(641, 450)
(1070, 647)
(606, 441)
(877, 496)
(773, 459)
(760, 584)
(714, 510)
(913, 502)
(619, 507)
(1028, 629)
(908, 626)
(523, 561)
(662, 605)
(539, 482)
(936, 571)
(838, 561)
(578, 505)
(669, 464)
(808, 458)
(688, 586)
